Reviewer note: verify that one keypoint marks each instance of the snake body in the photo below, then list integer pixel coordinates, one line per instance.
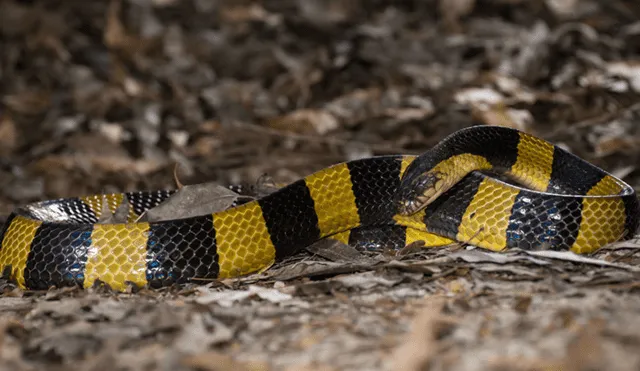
(569, 204)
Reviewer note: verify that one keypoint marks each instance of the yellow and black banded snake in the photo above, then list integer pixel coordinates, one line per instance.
(446, 194)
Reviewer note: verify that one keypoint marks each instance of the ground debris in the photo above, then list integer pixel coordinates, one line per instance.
(111, 96)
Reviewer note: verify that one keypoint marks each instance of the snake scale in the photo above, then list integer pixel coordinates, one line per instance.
(449, 193)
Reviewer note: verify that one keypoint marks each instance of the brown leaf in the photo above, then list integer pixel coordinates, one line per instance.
(8, 135)
(115, 35)
(28, 102)
(335, 251)
(421, 344)
(361, 104)
(305, 121)
(585, 352)
(192, 200)
(214, 361)
(563, 9)
(608, 146)
(453, 10)
(501, 115)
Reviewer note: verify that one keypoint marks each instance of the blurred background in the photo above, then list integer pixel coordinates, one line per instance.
(108, 96)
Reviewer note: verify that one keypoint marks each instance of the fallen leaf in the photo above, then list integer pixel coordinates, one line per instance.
(476, 256)
(200, 333)
(452, 10)
(500, 115)
(628, 70)
(227, 298)
(335, 251)
(573, 257)
(585, 351)
(562, 8)
(421, 345)
(8, 134)
(367, 280)
(305, 121)
(214, 361)
(192, 200)
(111, 309)
(479, 97)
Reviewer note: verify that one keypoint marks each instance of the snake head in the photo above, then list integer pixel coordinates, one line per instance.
(416, 192)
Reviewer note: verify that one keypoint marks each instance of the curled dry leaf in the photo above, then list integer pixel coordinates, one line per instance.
(305, 121)
(8, 134)
(192, 200)
(501, 115)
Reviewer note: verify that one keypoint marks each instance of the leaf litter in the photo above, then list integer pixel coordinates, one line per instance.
(109, 96)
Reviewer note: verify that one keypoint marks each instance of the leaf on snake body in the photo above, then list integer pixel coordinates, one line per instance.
(192, 200)
(121, 214)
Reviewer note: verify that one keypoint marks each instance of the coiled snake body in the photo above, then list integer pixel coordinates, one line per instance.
(443, 195)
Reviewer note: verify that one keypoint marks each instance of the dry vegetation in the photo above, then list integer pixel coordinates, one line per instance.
(101, 96)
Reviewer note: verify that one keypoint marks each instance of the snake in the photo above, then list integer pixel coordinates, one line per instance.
(492, 187)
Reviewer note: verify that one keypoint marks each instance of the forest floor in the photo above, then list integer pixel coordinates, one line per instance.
(108, 96)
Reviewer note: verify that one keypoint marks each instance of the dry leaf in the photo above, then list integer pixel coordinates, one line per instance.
(453, 10)
(305, 121)
(201, 332)
(214, 361)
(8, 134)
(421, 345)
(192, 200)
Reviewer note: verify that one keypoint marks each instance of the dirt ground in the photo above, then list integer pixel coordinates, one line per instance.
(109, 96)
